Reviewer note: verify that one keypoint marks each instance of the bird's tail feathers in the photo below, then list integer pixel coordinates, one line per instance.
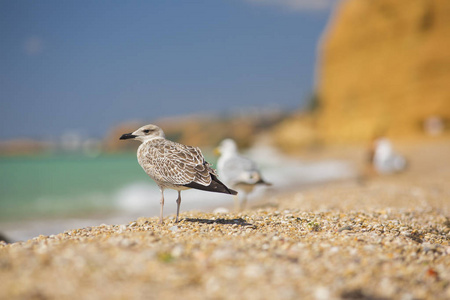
(261, 181)
(215, 186)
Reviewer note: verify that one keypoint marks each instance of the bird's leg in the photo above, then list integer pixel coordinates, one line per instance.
(244, 201)
(162, 206)
(178, 205)
(237, 206)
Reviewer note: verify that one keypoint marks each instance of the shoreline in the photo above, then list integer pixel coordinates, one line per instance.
(376, 238)
(142, 198)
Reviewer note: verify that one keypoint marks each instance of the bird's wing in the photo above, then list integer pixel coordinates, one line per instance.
(239, 169)
(178, 164)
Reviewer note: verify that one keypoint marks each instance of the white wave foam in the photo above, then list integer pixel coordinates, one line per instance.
(141, 199)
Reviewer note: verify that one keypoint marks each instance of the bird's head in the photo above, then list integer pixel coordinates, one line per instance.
(226, 146)
(145, 133)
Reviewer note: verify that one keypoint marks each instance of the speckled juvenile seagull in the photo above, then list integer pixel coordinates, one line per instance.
(173, 165)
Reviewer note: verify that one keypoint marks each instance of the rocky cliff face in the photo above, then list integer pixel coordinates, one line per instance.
(384, 68)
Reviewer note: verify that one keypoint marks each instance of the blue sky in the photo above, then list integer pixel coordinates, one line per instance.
(85, 66)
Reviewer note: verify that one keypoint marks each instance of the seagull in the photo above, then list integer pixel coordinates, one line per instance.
(237, 171)
(174, 166)
(384, 159)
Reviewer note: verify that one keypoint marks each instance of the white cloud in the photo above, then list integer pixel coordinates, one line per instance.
(297, 5)
(33, 45)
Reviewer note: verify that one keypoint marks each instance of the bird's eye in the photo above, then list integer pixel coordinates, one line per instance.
(146, 130)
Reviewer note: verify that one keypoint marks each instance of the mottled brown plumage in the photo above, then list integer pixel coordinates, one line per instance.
(173, 165)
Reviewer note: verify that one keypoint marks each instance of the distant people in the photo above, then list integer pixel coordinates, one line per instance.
(238, 172)
(383, 158)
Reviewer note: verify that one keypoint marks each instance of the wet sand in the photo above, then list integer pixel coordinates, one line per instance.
(372, 238)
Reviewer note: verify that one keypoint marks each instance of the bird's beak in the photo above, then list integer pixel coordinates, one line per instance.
(127, 136)
(216, 151)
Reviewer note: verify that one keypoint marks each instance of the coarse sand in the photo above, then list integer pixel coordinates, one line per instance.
(372, 238)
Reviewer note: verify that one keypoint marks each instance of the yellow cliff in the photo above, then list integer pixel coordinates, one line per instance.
(384, 69)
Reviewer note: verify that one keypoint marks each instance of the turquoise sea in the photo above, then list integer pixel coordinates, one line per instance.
(50, 194)
(63, 185)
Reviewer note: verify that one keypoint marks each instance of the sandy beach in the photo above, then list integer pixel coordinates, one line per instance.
(375, 237)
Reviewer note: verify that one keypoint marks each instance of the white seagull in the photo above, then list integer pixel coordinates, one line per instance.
(238, 172)
(384, 159)
(174, 166)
